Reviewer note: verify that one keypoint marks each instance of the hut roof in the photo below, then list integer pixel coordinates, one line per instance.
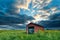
(35, 24)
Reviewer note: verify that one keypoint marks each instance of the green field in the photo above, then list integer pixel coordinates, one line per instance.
(21, 35)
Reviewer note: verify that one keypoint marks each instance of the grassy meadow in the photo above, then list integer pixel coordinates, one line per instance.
(21, 35)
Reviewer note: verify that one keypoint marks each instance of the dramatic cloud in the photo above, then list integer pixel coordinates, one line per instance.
(22, 12)
(22, 4)
(53, 22)
(39, 4)
(50, 24)
(55, 16)
(12, 27)
(15, 19)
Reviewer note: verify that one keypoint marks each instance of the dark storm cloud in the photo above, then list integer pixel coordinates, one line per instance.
(16, 19)
(10, 22)
(55, 16)
(50, 23)
(12, 27)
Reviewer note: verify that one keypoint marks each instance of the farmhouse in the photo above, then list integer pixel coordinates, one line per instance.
(33, 28)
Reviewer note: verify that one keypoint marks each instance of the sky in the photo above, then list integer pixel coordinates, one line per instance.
(22, 12)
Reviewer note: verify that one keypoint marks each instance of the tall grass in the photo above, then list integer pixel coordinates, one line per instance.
(21, 35)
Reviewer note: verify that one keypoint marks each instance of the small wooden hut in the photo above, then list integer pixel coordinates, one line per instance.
(33, 28)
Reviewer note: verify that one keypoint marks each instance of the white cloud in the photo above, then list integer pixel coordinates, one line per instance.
(25, 5)
(41, 15)
(53, 10)
(40, 3)
(19, 24)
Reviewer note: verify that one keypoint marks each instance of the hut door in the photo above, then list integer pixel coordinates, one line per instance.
(30, 30)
